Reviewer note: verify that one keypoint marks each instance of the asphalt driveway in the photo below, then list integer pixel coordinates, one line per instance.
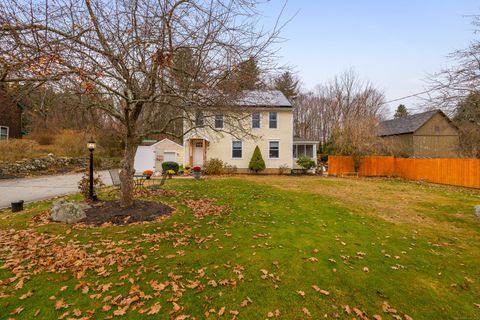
(40, 188)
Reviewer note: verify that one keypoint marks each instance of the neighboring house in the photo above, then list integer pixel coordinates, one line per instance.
(429, 134)
(267, 123)
(10, 117)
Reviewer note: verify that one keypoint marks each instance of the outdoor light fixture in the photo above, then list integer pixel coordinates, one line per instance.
(91, 145)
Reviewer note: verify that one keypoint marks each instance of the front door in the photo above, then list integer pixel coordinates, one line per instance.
(198, 154)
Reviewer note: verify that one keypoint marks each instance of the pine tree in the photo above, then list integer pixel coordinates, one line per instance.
(288, 85)
(401, 112)
(257, 163)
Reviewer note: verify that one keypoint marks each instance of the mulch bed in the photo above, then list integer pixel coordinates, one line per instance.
(110, 212)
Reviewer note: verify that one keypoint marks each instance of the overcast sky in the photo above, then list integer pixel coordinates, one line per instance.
(393, 43)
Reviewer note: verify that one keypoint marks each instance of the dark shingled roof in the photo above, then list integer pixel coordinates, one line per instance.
(408, 124)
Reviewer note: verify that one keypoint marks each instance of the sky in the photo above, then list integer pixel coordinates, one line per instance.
(394, 44)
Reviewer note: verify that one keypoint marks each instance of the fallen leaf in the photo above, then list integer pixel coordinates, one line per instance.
(17, 310)
(221, 311)
(154, 309)
(60, 304)
(26, 295)
(301, 293)
(306, 312)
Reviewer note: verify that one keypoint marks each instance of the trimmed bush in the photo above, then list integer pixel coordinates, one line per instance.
(305, 162)
(214, 166)
(257, 163)
(170, 165)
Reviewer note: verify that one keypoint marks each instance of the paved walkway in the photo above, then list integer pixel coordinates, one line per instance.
(40, 188)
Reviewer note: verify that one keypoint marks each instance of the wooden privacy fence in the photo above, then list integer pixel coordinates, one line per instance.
(456, 172)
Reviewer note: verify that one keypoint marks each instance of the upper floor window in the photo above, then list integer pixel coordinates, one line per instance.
(274, 149)
(272, 120)
(256, 120)
(199, 119)
(219, 121)
(237, 149)
(3, 133)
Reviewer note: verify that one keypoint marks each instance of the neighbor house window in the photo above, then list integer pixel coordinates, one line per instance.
(274, 149)
(272, 120)
(256, 120)
(219, 121)
(199, 119)
(237, 149)
(300, 150)
(3, 133)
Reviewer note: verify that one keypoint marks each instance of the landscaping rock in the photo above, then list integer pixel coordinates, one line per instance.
(477, 211)
(69, 212)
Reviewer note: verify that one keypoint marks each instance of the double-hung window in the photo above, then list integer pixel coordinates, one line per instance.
(273, 149)
(236, 149)
(3, 133)
(199, 119)
(219, 121)
(256, 120)
(272, 120)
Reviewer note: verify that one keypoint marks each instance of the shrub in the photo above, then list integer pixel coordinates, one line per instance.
(229, 169)
(305, 162)
(170, 165)
(43, 137)
(284, 168)
(214, 166)
(71, 143)
(257, 163)
(187, 167)
(170, 172)
(84, 183)
(17, 149)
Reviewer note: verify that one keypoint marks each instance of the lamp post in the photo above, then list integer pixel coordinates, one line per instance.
(91, 145)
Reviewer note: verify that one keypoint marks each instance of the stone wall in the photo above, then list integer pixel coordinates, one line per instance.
(50, 164)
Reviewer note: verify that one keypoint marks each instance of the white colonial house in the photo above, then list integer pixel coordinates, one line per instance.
(266, 122)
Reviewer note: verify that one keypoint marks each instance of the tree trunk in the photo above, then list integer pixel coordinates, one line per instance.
(126, 175)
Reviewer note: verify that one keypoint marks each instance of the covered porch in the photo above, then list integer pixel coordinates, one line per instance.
(304, 147)
(196, 153)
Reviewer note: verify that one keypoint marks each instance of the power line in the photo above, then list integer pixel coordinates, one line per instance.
(415, 94)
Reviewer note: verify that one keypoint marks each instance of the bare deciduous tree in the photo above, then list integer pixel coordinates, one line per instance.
(122, 55)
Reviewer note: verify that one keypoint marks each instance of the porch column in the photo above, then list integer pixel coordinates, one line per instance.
(190, 152)
(204, 145)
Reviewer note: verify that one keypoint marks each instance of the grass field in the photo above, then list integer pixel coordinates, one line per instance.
(269, 247)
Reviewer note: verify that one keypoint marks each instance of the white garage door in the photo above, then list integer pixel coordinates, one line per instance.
(144, 159)
(169, 156)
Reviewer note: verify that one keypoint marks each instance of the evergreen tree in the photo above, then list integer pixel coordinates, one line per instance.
(401, 112)
(288, 85)
(257, 163)
(245, 76)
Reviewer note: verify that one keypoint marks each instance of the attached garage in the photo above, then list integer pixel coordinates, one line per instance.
(151, 157)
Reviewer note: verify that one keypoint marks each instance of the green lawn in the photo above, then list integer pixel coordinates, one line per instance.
(289, 248)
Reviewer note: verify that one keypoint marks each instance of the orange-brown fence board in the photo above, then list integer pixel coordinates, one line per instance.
(456, 172)
(337, 165)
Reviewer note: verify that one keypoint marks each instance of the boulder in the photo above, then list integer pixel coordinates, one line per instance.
(69, 212)
(477, 211)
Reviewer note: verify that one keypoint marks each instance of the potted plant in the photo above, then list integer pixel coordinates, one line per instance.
(170, 173)
(148, 173)
(187, 169)
(197, 172)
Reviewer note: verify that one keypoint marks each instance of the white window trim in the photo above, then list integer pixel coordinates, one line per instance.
(231, 154)
(259, 120)
(278, 126)
(8, 131)
(275, 140)
(215, 121)
(305, 144)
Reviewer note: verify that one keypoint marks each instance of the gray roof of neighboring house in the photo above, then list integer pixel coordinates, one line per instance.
(264, 98)
(300, 139)
(407, 124)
